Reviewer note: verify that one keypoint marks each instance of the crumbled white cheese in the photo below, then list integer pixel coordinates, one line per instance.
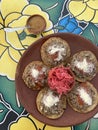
(43, 70)
(35, 73)
(57, 48)
(84, 65)
(85, 96)
(49, 100)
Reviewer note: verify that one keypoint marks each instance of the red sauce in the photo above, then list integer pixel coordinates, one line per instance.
(61, 79)
(80, 101)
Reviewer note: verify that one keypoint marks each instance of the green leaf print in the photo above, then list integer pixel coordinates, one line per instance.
(8, 100)
(52, 7)
(22, 35)
(91, 33)
(89, 125)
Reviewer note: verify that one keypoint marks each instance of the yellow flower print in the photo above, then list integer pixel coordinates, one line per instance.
(23, 123)
(47, 127)
(15, 14)
(86, 10)
(30, 123)
(57, 128)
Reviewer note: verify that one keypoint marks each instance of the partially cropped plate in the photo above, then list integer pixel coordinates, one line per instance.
(27, 97)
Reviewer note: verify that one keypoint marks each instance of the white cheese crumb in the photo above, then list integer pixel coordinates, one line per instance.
(85, 96)
(35, 73)
(49, 100)
(85, 66)
(55, 48)
(43, 70)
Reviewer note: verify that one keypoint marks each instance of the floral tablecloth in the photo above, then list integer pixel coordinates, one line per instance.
(74, 16)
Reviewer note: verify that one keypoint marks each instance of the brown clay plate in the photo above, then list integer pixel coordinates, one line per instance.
(27, 97)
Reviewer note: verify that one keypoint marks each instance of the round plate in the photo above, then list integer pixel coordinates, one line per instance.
(28, 97)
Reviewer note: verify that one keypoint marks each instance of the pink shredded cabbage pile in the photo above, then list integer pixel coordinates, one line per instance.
(61, 79)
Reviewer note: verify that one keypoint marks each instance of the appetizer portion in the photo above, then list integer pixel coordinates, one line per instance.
(50, 104)
(84, 64)
(35, 75)
(83, 97)
(61, 79)
(55, 51)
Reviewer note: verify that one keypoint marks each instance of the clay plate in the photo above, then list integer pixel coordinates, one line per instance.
(27, 97)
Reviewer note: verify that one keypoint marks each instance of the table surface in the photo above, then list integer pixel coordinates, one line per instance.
(77, 17)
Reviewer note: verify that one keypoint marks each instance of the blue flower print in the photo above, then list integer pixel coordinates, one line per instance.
(67, 24)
